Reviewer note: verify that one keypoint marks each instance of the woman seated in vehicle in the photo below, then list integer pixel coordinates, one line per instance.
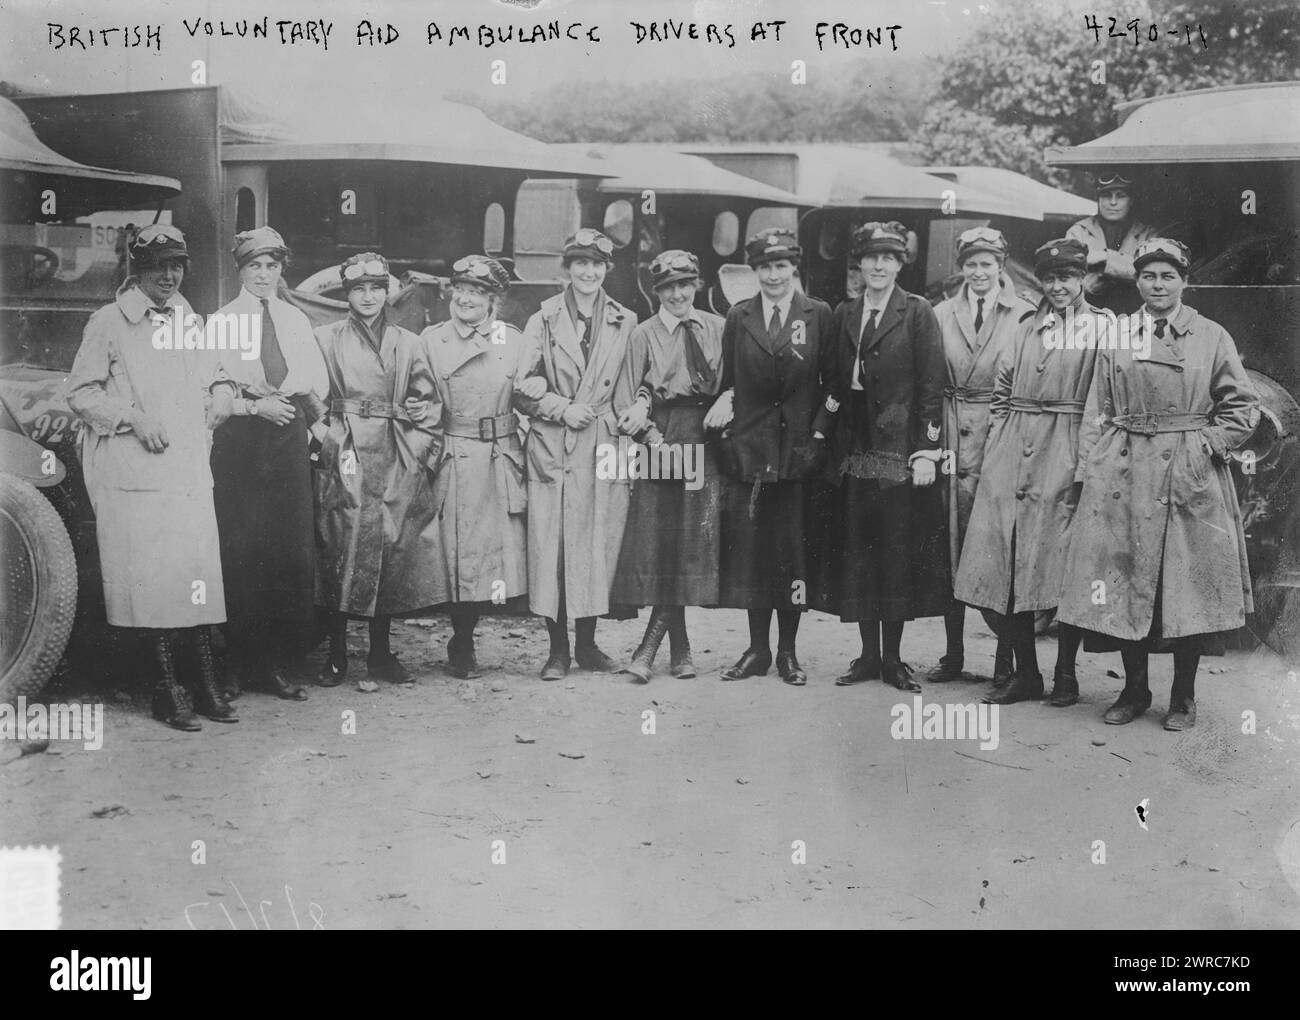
(1112, 237)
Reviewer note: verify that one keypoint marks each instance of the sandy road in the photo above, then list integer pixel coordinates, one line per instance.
(751, 804)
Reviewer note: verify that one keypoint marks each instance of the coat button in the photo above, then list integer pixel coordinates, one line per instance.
(1039, 368)
(965, 430)
(1172, 407)
(962, 473)
(1178, 368)
(1163, 501)
(875, 354)
(1165, 456)
(1124, 452)
(1029, 451)
(1020, 495)
(1115, 494)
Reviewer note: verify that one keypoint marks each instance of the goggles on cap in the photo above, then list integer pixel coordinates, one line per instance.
(1163, 248)
(360, 269)
(1114, 181)
(473, 267)
(977, 234)
(663, 264)
(158, 233)
(589, 238)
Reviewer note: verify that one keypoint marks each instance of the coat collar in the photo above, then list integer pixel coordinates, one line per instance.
(889, 318)
(135, 306)
(800, 304)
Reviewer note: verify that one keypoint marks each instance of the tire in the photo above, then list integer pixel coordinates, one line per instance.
(38, 589)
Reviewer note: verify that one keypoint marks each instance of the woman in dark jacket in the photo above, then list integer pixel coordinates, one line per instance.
(672, 544)
(262, 475)
(889, 560)
(776, 364)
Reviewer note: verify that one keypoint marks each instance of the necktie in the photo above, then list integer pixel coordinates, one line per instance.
(1160, 328)
(979, 315)
(868, 331)
(696, 363)
(273, 363)
(774, 326)
(584, 325)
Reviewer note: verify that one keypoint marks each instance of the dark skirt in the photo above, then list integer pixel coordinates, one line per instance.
(672, 545)
(262, 492)
(885, 549)
(1154, 643)
(768, 558)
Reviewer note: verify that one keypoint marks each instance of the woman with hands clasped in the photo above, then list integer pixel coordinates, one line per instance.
(261, 473)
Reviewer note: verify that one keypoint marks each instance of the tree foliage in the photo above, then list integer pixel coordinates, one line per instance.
(742, 108)
(1024, 79)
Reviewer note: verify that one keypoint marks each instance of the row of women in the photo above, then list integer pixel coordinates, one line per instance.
(823, 436)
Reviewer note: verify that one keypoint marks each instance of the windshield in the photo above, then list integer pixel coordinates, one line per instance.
(79, 261)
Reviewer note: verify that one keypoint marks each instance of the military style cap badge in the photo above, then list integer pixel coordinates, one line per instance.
(932, 432)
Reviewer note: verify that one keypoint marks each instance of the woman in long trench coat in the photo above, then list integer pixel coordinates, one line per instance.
(478, 481)
(1013, 560)
(375, 532)
(977, 324)
(139, 382)
(1157, 554)
(577, 342)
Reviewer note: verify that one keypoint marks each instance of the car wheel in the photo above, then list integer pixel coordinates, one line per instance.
(38, 589)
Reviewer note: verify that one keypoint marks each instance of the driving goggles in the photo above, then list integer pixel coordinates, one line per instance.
(1114, 181)
(359, 269)
(664, 264)
(158, 233)
(985, 234)
(588, 238)
(473, 267)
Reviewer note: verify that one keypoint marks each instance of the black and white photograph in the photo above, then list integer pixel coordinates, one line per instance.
(584, 464)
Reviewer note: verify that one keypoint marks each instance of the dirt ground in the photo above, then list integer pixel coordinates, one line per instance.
(508, 802)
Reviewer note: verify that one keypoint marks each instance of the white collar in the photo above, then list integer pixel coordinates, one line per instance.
(783, 305)
(248, 295)
(1169, 316)
(867, 303)
(671, 322)
(990, 299)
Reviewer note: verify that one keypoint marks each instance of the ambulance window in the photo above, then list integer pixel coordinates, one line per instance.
(618, 222)
(245, 210)
(726, 232)
(494, 229)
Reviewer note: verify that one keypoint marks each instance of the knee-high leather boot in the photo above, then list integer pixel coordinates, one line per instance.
(170, 702)
(208, 699)
(643, 658)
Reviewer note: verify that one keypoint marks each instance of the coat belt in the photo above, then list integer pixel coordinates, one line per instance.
(1150, 424)
(968, 396)
(487, 429)
(1033, 405)
(368, 409)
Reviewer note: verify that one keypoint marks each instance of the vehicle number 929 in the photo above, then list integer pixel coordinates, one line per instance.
(53, 429)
